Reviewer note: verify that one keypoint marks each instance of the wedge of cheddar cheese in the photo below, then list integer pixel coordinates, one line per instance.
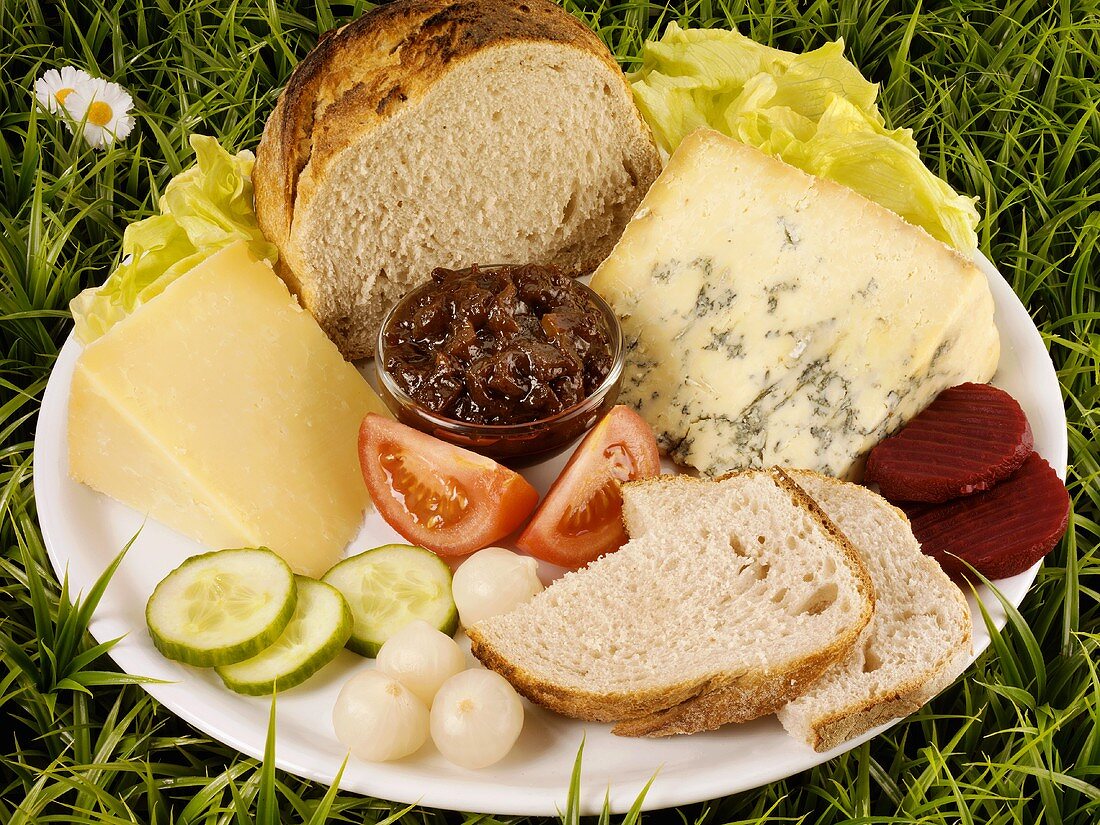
(775, 318)
(221, 409)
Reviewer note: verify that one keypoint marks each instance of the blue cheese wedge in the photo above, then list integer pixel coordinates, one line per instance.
(776, 318)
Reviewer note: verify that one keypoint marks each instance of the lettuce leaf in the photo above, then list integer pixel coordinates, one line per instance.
(203, 210)
(813, 110)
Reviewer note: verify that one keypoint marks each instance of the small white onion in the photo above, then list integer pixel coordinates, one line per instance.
(378, 718)
(476, 718)
(421, 658)
(492, 581)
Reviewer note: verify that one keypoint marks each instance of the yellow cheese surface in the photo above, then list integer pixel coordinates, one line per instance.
(222, 410)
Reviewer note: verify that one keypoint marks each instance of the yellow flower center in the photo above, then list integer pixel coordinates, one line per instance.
(61, 94)
(99, 113)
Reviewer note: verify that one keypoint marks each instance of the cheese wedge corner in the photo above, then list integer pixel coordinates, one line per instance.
(221, 409)
(774, 318)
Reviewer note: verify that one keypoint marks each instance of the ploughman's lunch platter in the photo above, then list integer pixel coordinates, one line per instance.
(502, 402)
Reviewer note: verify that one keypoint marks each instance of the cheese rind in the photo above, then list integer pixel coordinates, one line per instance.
(775, 318)
(222, 410)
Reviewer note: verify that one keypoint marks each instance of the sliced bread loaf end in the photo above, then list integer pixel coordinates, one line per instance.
(721, 610)
(917, 642)
(444, 133)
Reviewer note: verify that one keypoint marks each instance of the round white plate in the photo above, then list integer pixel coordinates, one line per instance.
(85, 530)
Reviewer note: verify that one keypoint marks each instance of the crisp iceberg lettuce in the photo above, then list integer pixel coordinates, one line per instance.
(203, 210)
(813, 110)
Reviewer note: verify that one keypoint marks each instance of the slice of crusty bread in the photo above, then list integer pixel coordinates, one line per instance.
(730, 598)
(431, 133)
(917, 642)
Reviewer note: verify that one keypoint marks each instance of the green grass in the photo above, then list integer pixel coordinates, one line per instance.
(1003, 98)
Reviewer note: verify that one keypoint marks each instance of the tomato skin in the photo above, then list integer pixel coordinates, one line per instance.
(461, 501)
(581, 517)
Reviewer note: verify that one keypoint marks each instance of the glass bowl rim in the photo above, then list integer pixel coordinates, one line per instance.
(455, 425)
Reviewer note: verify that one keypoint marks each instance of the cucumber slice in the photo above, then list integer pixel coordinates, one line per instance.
(388, 587)
(318, 631)
(222, 607)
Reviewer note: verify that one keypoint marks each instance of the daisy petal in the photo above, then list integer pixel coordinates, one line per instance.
(102, 111)
(54, 88)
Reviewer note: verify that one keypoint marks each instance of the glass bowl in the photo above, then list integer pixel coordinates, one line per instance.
(512, 444)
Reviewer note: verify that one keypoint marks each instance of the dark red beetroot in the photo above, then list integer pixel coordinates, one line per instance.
(1002, 531)
(967, 440)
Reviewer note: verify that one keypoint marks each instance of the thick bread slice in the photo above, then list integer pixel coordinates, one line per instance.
(431, 133)
(917, 642)
(730, 598)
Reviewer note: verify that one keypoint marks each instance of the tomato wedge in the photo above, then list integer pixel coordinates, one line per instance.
(581, 517)
(437, 495)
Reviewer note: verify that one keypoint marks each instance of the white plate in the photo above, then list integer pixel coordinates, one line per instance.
(84, 530)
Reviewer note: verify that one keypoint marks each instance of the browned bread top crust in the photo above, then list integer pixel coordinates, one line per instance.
(363, 73)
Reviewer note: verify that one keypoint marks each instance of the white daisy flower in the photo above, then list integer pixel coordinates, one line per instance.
(102, 110)
(54, 87)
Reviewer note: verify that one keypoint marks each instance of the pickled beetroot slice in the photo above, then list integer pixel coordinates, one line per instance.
(1002, 531)
(967, 440)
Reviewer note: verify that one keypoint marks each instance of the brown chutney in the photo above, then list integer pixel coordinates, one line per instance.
(498, 344)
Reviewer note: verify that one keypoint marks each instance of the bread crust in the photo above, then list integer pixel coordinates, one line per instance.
(731, 701)
(702, 704)
(827, 732)
(589, 706)
(366, 72)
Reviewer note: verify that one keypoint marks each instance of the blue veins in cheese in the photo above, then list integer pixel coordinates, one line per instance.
(775, 318)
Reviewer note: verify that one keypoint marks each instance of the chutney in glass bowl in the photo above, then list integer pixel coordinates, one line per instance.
(512, 361)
